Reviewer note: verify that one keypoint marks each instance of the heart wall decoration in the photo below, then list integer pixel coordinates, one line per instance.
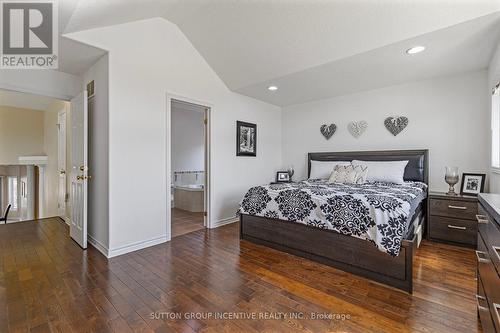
(328, 130)
(396, 125)
(357, 128)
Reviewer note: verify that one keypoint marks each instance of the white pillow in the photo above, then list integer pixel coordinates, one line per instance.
(384, 171)
(323, 169)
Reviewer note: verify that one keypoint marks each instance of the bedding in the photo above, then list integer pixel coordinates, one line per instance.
(377, 212)
(384, 171)
(323, 169)
(349, 174)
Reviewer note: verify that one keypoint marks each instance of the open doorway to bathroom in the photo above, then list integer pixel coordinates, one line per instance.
(189, 136)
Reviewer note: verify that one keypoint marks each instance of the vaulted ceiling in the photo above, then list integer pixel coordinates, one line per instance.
(314, 49)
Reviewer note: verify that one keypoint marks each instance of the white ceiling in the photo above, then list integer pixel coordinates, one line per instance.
(461, 48)
(25, 101)
(312, 48)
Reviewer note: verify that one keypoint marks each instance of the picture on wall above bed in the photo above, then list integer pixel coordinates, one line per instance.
(328, 130)
(472, 183)
(396, 125)
(246, 139)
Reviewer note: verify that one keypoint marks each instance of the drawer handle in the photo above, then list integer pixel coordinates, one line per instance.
(482, 219)
(482, 298)
(479, 259)
(456, 227)
(457, 207)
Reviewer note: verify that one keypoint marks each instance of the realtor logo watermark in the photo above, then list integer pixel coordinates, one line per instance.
(29, 36)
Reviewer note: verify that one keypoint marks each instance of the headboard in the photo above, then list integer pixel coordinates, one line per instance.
(416, 170)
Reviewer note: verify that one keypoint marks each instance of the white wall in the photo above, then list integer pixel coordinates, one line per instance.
(446, 115)
(98, 212)
(493, 78)
(21, 134)
(48, 83)
(142, 71)
(188, 141)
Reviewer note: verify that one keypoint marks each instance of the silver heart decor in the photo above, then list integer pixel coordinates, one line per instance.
(328, 130)
(396, 125)
(356, 128)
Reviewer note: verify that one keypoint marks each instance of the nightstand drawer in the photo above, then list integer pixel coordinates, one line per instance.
(454, 208)
(453, 230)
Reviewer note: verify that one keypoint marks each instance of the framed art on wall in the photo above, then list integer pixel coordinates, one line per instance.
(246, 139)
(472, 183)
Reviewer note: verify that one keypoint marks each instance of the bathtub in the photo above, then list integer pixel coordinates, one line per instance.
(190, 187)
(190, 197)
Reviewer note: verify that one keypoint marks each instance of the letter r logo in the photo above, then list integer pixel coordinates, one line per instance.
(27, 27)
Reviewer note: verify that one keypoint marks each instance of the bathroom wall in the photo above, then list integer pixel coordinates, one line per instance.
(188, 143)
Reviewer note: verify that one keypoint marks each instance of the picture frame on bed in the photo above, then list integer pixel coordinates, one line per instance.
(282, 177)
(472, 183)
(246, 139)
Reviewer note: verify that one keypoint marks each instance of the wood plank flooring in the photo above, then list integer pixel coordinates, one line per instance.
(184, 222)
(48, 284)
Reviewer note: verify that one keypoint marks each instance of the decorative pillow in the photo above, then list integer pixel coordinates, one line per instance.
(323, 169)
(348, 174)
(384, 171)
(362, 173)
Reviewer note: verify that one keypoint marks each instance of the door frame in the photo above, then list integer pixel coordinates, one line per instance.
(208, 221)
(60, 114)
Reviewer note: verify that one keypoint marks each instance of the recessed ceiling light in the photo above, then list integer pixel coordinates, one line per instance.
(272, 88)
(415, 49)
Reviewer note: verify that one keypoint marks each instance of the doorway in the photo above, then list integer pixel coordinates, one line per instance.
(29, 155)
(188, 168)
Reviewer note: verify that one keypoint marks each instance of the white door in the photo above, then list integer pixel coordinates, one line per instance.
(79, 169)
(61, 164)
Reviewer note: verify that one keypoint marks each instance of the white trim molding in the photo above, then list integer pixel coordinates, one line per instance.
(136, 246)
(98, 245)
(229, 220)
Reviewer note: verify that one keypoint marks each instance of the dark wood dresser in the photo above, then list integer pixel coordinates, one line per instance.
(452, 219)
(488, 262)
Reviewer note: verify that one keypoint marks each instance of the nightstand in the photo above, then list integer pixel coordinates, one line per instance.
(453, 218)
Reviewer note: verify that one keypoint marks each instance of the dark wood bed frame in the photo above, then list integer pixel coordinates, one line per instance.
(341, 251)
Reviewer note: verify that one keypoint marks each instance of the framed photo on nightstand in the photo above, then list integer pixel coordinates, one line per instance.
(472, 183)
(282, 177)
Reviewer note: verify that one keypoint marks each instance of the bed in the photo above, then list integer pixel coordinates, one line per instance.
(385, 221)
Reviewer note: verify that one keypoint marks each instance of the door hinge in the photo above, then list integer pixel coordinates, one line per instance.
(204, 213)
(205, 121)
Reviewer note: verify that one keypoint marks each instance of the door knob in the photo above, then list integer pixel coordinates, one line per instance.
(62, 172)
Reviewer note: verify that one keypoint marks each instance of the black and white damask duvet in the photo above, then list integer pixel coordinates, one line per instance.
(377, 212)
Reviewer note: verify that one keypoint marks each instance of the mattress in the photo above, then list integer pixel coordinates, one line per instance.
(377, 212)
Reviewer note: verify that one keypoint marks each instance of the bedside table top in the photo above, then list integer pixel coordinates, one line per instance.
(444, 196)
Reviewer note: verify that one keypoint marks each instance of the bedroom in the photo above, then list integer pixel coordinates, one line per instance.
(345, 65)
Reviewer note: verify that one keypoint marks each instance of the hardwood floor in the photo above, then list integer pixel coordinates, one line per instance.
(47, 283)
(184, 222)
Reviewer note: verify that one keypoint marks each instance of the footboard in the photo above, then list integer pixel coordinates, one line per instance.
(347, 253)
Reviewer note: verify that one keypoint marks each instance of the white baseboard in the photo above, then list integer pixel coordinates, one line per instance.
(135, 246)
(65, 218)
(225, 221)
(98, 245)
